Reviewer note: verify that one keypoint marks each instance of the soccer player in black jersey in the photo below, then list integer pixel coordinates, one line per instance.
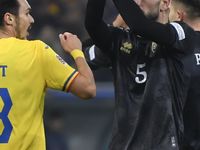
(151, 80)
(189, 12)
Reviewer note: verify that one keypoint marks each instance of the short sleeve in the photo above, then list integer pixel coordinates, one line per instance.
(56, 72)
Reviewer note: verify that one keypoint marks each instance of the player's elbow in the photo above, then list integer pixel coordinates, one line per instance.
(83, 87)
(89, 92)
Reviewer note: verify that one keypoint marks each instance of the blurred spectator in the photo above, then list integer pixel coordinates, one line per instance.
(55, 137)
(65, 15)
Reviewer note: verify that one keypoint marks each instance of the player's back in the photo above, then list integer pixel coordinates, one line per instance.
(192, 106)
(21, 95)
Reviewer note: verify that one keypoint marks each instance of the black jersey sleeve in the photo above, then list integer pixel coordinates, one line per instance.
(140, 25)
(95, 26)
(94, 56)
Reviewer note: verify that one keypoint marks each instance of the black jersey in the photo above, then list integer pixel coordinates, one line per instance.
(151, 83)
(191, 115)
(142, 104)
(151, 80)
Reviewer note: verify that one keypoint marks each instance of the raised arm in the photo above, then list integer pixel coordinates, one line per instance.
(95, 26)
(95, 56)
(84, 85)
(140, 25)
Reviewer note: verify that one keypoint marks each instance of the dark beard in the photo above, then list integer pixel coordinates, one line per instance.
(152, 16)
(18, 33)
(153, 13)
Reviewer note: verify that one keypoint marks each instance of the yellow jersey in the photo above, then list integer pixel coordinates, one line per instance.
(27, 69)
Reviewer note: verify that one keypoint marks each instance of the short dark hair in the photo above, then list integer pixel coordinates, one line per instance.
(193, 7)
(11, 6)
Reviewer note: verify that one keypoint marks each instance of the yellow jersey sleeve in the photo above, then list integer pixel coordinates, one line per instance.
(57, 73)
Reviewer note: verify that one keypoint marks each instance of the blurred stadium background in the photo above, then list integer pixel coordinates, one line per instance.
(76, 123)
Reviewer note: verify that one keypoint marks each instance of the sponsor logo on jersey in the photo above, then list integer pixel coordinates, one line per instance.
(61, 60)
(180, 31)
(126, 47)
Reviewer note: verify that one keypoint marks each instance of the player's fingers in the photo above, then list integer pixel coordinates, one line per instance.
(61, 38)
(67, 34)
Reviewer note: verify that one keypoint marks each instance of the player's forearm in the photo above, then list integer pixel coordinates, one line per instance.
(140, 25)
(88, 87)
(94, 12)
(131, 13)
(95, 26)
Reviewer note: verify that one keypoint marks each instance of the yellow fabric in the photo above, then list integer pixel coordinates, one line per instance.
(77, 53)
(27, 68)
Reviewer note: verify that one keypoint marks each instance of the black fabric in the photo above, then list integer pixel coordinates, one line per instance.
(192, 106)
(150, 80)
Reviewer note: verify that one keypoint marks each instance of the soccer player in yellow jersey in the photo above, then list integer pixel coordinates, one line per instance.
(27, 69)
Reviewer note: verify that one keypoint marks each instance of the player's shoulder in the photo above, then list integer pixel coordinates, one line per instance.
(183, 30)
(198, 33)
(38, 44)
(22, 43)
(35, 42)
(179, 26)
(181, 23)
(25, 42)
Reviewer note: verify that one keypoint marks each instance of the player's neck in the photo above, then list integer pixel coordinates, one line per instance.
(4, 34)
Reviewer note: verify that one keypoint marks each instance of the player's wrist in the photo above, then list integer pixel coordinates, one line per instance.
(77, 53)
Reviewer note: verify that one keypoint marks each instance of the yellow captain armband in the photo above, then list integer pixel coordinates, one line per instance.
(77, 53)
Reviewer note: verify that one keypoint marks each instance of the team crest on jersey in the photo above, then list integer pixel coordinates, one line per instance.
(126, 47)
(153, 47)
(61, 60)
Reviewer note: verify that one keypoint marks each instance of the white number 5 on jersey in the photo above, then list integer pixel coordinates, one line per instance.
(141, 73)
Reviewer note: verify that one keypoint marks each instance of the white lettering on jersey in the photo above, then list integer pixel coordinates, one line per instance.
(180, 31)
(173, 141)
(92, 53)
(197, 58)
(141, 73)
